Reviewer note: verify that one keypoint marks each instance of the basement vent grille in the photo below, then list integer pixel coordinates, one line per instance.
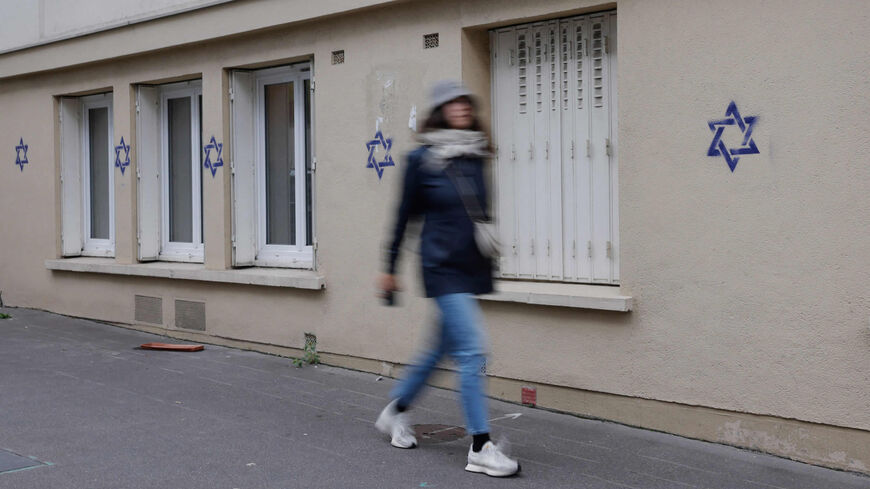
(338, 57)
(148, 309)
(430, 41)
(190, 315)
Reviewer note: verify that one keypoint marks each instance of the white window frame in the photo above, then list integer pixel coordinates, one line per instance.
(172, 250)
(298, 255)
(93, 246)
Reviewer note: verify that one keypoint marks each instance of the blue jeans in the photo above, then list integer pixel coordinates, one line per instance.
(461, 336)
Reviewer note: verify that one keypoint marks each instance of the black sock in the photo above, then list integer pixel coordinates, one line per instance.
(478, 441)
(401, 407)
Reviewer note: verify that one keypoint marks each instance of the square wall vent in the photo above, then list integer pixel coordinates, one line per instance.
(190, 315)
(430, 41)
(148, 309)
(338, 57)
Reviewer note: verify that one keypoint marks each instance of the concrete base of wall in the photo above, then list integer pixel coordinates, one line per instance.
(818, 444)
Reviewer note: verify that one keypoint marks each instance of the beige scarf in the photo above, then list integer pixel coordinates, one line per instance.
(445, 144)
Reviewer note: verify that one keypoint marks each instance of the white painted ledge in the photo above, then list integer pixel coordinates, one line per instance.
(269, 277)
(606, 298)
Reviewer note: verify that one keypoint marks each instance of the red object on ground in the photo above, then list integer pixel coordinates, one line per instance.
(171, 347)
(529, 396)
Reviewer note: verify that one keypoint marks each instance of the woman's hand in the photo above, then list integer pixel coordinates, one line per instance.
(387, 283)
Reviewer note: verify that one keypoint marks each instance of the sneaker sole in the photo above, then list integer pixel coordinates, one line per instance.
(480, 469)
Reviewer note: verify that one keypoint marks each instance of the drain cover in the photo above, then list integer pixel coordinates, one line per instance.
(437, 433)
(12, 461)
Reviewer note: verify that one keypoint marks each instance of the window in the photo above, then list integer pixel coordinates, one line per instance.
(170, 172)
(554, 118)
(87, 176)
(272, 167)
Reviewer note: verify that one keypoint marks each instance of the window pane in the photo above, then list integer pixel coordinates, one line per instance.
(280, 169)
(308, 173)
(98, 149)
(180, 171)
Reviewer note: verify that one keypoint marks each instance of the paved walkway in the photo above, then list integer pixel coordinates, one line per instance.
(92, 412)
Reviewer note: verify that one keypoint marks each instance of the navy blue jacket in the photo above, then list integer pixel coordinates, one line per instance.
(450, 258)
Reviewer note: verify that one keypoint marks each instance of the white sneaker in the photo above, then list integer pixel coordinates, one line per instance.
(392, 422)
(490, 460)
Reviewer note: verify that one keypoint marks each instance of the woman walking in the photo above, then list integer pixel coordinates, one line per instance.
(444, 184)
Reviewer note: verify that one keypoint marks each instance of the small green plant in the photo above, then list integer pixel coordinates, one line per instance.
(310, 355)
(4, 316)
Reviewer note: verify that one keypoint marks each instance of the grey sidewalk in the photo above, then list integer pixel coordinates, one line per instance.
(77, 395)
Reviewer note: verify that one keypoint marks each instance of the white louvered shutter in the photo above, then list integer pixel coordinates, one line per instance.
(614, 150)
(243, 166)
(599, 136)
(148, 172)
(71, 176)
(505, 87)
(554, 105)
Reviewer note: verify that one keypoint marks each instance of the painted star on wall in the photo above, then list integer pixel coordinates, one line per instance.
(372, 145)
(21, 154)
(213, 145)
(747, 147)
(119, 163)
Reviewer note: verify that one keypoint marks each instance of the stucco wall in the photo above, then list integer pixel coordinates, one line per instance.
(749, 287)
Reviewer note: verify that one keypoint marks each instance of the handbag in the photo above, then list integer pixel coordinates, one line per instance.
(485, 232)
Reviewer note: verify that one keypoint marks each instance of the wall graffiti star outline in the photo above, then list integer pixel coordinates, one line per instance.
(119, 163)
(747, 147)
(18, 159)
(213, 165)
(387, 143)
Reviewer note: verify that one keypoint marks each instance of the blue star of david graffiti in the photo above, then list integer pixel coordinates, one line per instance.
(119, 163)
(19, 160)
(747, 147)
(213, 165)
(372, 161)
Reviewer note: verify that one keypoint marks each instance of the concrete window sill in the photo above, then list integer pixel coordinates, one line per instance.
(268, 277)
(582, 296)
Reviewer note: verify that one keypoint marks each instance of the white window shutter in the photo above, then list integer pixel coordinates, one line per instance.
(614, 181)
(71, 176)
(599, 135)
(554, 104)
(504, 96)
(524, 170)
(540, 225)
(148, 172)
(553, 156)
(243, 165)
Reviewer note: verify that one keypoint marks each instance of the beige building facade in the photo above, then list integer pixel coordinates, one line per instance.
(680, 185)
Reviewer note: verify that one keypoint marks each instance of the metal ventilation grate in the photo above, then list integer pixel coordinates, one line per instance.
(190, 315)
(148, 309)
(430, 41)
(338, 57)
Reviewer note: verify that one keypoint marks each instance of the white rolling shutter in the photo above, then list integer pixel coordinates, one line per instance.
(243, 168)
(71, 226)
(148, 172)
(554, 92)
